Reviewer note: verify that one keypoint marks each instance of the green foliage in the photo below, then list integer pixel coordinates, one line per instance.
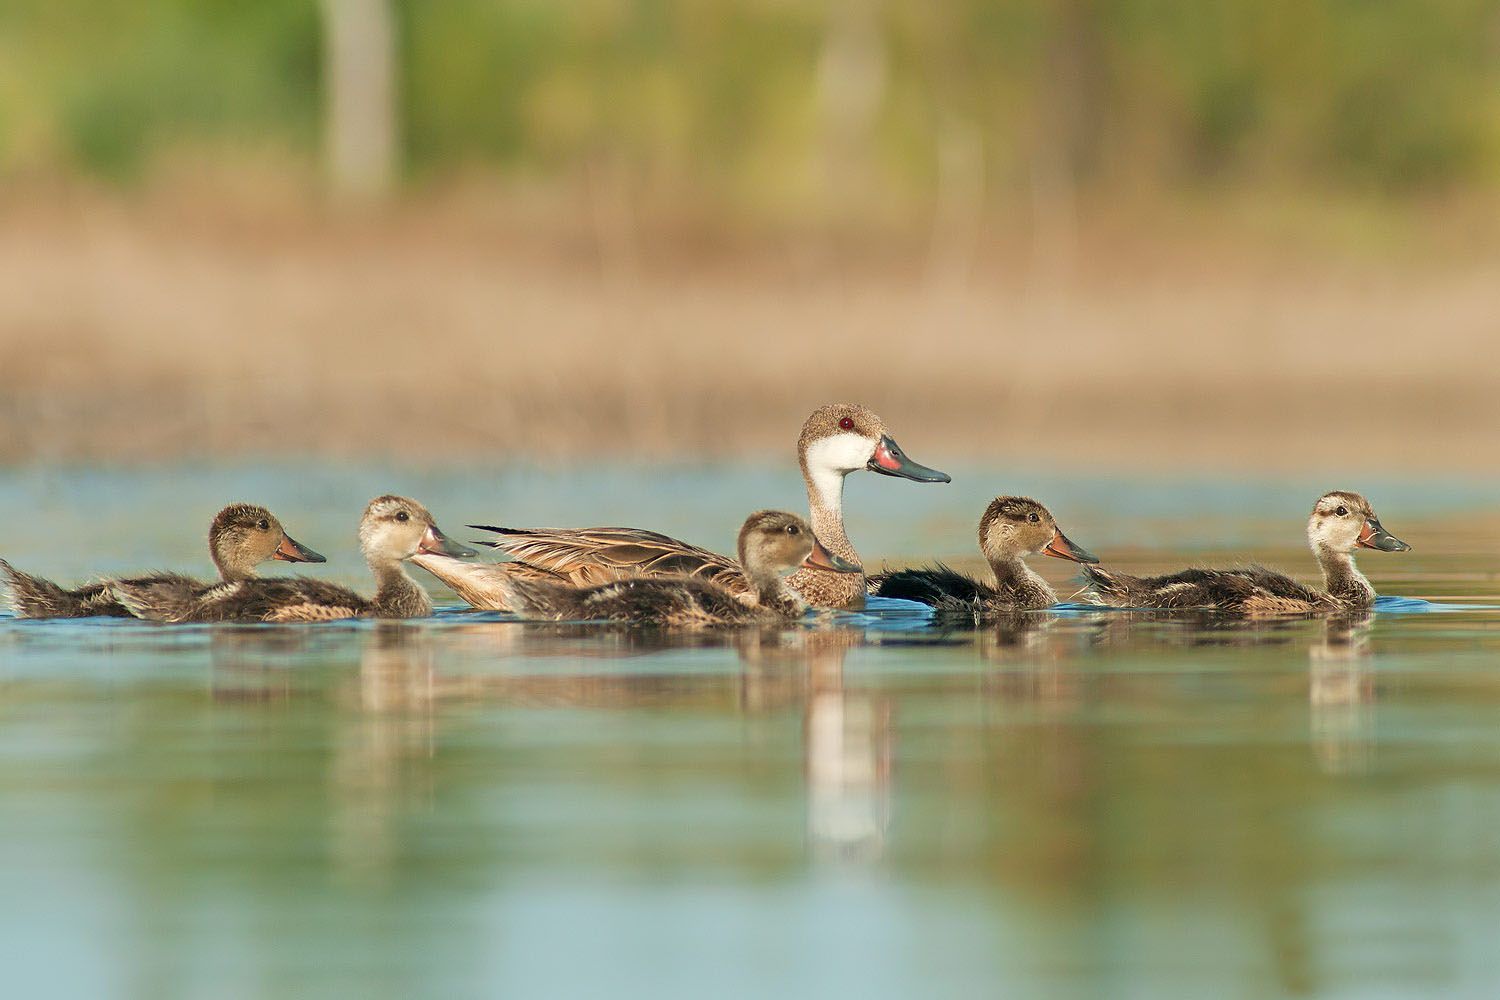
(727, 99)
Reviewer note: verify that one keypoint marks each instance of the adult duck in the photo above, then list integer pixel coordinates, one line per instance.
(1010, 529)
(1340, 523)
(240, 538)
(836, 440)
(392, 531)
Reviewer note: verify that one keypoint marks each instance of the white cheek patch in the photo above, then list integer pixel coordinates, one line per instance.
(841, 453)
(830, 459)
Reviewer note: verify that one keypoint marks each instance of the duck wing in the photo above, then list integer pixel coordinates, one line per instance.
(591, 556)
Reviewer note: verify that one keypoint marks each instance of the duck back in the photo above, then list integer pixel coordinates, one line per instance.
(272, 599)
(1252, 590)
(679, 602)
(948, 591)
(35, 597)
(939, 586)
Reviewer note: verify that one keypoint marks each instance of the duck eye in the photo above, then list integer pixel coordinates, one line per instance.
(402, 515)
(1033, 518)
(847, 423)
(263, 524)
(1342, 512)
(792, 529)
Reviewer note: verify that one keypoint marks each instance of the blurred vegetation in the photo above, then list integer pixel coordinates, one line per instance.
(774, 106)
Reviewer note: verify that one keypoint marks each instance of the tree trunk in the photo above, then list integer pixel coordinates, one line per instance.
(359, 93)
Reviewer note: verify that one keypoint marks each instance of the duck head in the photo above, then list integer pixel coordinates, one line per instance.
(774, 542)
(1013, 527)
(396, 528)
(1343, 521)
(841, 438)
(243, 535)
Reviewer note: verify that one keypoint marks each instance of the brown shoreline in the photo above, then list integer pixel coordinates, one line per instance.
(135, 334)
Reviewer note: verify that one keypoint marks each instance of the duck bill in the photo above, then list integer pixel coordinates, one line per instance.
(890, 460)
(435, 543)
(1063, 548)
(1373, 536)
(291, 550)
(821, 558)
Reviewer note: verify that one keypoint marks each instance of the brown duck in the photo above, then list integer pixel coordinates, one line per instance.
(1340, 523)
(392, 530)
(1011, 528)
(241, 537)
(836, 440)
(771, 544)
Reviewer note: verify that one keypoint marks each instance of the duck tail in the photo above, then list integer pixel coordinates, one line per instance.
(499, 543)
(33, 597)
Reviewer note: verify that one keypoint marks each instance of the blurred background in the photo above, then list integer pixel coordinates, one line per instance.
(1244, 235)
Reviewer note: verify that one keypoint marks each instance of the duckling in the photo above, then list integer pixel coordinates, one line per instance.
(392, 530)
(836, 439)
(1340, 522)
(772, 543)
(241, 537)
(1011, 527)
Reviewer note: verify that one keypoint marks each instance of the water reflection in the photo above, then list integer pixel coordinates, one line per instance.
(847, 740)
(1055, 791)
(1341, 695)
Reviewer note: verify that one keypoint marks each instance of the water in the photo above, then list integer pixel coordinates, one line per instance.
(1076, 804)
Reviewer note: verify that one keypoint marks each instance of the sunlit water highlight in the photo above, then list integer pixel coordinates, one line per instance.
(1072, 803)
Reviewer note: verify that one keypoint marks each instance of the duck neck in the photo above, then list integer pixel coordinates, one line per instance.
(397, 595)
(825, 502)
(229, 571)
(773, 593)
(1342, 578)
(1012, 574)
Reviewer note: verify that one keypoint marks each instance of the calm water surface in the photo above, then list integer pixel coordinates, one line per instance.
(1073, 804)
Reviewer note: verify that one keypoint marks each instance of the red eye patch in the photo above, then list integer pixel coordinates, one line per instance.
(847, 423)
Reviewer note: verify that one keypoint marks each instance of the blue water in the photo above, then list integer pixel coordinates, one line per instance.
(1075, 803)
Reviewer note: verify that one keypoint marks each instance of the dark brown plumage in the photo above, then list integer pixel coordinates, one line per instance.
(1009, 529)
(1340, 522)
(241, 537)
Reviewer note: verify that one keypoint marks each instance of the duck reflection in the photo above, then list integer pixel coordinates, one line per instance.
(1195, 628)
(383, 751)
(263, 663)
(848, 739)
(1027, 651)
(1021, 636)
(1341, 695)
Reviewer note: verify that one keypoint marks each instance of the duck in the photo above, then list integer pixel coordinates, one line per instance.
(1341, 522)
(240, 538)
(392, 530)
(836, 439)
(772, 543)
(1010, 529)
